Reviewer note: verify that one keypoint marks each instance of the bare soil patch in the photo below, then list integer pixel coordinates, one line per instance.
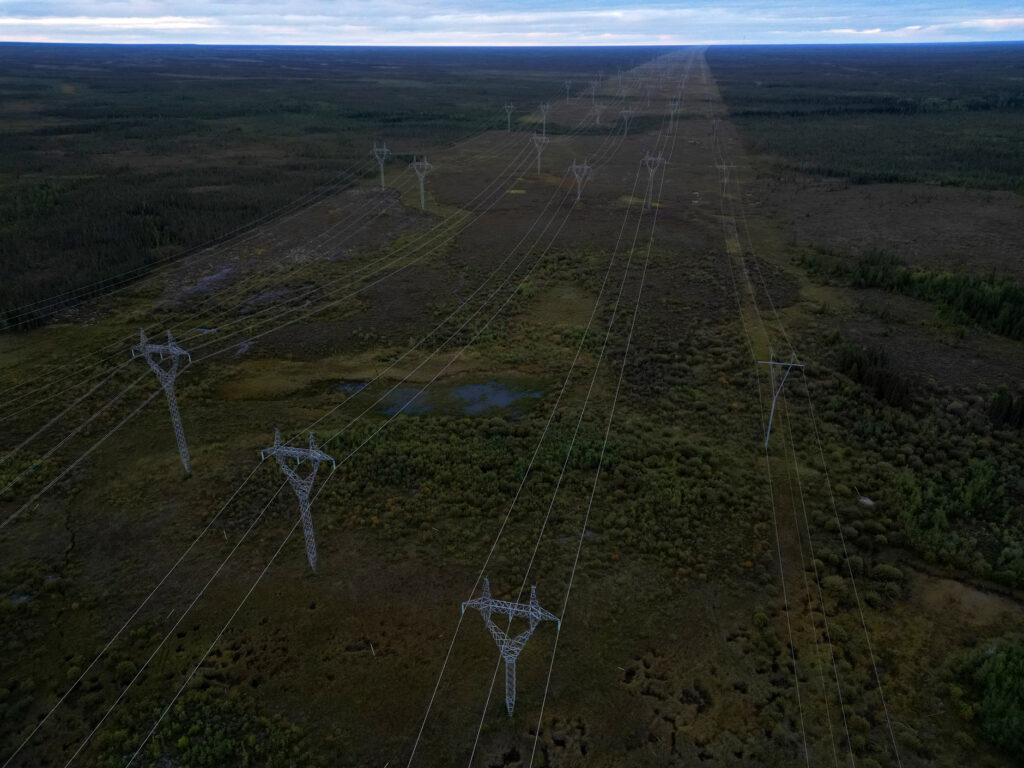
(974, 231)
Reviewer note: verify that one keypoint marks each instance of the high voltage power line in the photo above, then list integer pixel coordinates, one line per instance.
(298, 267)
(725, 168)
(222, 350)
(297, 207)
(463, 348)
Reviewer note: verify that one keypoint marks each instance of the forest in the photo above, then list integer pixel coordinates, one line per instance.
(118, 159)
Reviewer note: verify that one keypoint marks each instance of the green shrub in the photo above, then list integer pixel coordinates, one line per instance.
(994, 679)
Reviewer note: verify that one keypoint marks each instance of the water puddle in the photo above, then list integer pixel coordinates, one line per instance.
(479, 398)
(510, 398)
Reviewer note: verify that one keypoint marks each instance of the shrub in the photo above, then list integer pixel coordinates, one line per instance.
(994, 679)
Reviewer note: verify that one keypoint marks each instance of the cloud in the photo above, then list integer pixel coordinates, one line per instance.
(990, 25)
(965, 29)
(111, 22)
(875, 31)
(507, 22)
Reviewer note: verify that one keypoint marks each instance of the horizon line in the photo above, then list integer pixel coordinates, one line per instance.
(132, 43)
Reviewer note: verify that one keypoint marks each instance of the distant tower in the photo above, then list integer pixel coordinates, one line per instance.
(509, 109)
(593, 91)
(543, 109)
(598, 109)
(773, 366)
(509, 647)
(568, 86)
(652, 163)
(581, 174)
(673, 115)
(421, 167)
(627, 115)
(539, 142)
(725, 173)
(154, 354)
(381, 152)
(301, 485)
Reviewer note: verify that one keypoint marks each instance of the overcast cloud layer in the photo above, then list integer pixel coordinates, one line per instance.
(502, 22)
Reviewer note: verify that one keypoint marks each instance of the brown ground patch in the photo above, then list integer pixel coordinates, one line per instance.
(958, 602)
(920, 343)
(970, 230)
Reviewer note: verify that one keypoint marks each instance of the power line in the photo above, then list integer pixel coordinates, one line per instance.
(512, 505)
(351, 453)
(308, 314)
(436, 375)
(597, 473)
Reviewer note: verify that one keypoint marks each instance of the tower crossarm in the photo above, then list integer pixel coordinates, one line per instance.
(299, 454)
(489, 605)
(144, 347)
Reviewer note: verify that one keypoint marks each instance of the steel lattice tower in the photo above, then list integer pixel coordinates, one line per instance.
(774, 364)
(581, 174)
(627, 115)
(421, 167)
(652, 162)
(539, 142)
(155, 354)
(673, 115)
(301, 485)
(509, 109)
(509, 647)
(381, 152)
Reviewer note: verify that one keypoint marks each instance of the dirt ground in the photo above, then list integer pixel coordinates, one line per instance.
(976, 231)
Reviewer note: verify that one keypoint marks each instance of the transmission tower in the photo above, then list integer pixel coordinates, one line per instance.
(301, 485)
(627, 115)
(540, 141)
(652, 162)
(581, 173)
(568, 85)
(509, 109)
(155, 354)
(673, 115)
(598, 109)
(543, 109)
(421, 167)
(773, 365)
(510, 647)
(381, 152)
(593, 91)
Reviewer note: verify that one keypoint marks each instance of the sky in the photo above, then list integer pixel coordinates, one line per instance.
(508, 22)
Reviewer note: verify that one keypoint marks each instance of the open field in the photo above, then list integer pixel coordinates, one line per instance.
(520, 386)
